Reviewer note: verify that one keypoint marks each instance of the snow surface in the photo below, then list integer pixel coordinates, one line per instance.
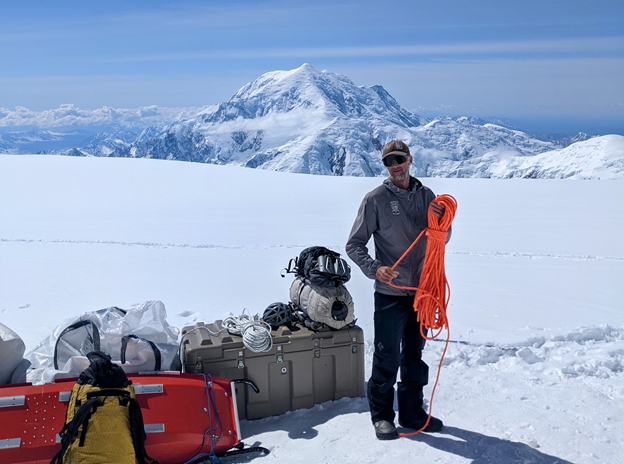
(535, 370)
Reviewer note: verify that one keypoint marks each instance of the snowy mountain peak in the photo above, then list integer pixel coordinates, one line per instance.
(282, 91)
(301, 77)
(319, 122)
(309, 89)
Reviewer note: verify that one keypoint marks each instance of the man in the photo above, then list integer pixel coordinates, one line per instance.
(394, 214)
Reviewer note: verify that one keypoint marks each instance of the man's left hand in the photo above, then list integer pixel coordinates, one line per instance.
(437, 209)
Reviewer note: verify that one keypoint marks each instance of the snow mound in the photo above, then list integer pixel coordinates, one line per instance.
(595, 351)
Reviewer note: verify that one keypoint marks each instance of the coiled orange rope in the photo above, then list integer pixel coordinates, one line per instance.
(433, 293)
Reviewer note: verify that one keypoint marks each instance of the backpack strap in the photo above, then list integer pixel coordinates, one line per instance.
(292, 267)
(70, 430)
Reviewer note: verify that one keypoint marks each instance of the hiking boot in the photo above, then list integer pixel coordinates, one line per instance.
(385, 430)
(434, 425)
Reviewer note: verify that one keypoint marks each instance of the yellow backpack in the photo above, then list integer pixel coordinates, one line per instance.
(104, 423)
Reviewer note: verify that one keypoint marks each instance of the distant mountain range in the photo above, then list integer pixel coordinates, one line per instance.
(317, 122)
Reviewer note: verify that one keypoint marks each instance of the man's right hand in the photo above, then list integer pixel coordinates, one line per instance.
(385, 274)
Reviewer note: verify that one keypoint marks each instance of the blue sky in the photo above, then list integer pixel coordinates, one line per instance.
(559, 62)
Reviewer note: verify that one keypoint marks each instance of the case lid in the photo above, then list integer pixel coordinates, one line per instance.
(212, 340)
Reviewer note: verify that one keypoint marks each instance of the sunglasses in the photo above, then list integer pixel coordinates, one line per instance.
(389, 160)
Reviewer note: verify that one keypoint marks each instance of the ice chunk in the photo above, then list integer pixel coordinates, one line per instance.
(528, 356)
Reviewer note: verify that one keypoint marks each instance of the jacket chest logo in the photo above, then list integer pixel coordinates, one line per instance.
(395, 208)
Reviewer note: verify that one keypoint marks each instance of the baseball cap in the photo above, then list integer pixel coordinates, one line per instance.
(396, 147)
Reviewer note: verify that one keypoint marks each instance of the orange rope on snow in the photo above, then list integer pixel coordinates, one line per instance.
(433, 293)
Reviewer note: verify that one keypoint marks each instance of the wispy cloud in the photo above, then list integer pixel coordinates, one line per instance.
(576, 45)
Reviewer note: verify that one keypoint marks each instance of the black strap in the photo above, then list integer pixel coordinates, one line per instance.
(238, 450)
(291, 268)
(137, 428)
(248, 382)
(70, 430)
(95, 339)
(85, 423)
(157, 355)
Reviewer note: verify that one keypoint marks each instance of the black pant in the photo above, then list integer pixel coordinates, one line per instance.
(398, 343)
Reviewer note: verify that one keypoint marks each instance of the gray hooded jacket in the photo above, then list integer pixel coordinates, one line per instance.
(394, 217)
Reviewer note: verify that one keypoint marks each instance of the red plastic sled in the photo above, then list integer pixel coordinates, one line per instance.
(184, 414)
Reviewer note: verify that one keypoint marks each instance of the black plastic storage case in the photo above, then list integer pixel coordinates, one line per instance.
(303, 368)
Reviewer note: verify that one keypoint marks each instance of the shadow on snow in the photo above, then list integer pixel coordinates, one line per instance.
(300, 424)
(483, 449)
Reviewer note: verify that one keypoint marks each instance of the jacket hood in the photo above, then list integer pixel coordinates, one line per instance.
(414, 185)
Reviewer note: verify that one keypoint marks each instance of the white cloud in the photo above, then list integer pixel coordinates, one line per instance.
(70, 115)
(301, 120)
